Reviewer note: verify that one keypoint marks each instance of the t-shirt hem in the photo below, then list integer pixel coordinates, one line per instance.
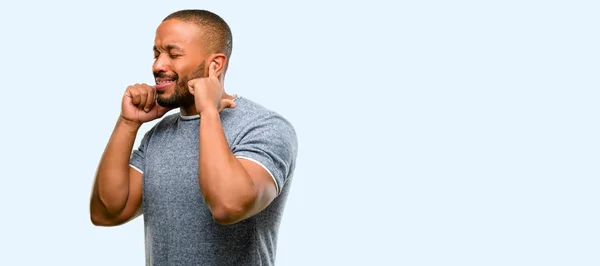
(137, 169)
(263, 166)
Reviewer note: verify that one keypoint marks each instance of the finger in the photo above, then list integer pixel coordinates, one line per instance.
(191, 86)
(226, 103)
(128, 92)
(212, 71)
(135, 96)
(143, 97)
(150, 100)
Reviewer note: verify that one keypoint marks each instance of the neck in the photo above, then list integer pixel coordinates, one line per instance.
(191, 109)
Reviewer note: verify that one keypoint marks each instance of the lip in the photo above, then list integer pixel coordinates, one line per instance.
(163, 86)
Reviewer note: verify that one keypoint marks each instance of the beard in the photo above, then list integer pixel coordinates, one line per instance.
(181, 97)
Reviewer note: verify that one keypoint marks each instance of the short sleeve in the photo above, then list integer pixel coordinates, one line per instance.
(137, 161)
(272, 143)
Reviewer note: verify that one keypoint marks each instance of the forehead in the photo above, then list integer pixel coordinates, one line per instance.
(179, 33)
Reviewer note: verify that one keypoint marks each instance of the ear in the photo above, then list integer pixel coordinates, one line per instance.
(221, 61)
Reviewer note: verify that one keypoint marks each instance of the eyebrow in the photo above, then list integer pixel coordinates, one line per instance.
(168, 48)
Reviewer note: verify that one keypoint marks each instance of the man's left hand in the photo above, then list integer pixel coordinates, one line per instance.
(208, 92)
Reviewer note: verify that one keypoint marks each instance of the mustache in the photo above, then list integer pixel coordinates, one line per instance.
(162, 74)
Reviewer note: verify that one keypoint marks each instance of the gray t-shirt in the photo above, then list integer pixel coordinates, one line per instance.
(179, 228)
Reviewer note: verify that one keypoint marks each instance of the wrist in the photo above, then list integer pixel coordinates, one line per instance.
(209, 112)
(132, 125)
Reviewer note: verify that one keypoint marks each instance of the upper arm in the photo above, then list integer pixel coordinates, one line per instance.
(137, 166)
(262, 180)
(133, 205)
(268, 153)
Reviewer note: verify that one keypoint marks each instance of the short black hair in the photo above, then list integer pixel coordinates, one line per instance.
(217, 33)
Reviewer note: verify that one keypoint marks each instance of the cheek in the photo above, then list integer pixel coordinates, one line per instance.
(183, 75)
(182, 84)
(188, 69)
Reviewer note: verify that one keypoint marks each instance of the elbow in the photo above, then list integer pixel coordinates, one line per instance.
(111, 206)
(95, 219)
(228, 214)
(99, 217)
(98, 220)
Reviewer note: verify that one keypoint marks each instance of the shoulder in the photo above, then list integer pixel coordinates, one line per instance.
(264, 136)
(249, 115)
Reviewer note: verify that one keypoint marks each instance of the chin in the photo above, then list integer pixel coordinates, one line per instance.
(168, 102)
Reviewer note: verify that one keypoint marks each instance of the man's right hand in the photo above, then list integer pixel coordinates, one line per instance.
(139, 104)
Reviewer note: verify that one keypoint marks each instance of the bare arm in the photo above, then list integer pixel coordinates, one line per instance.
(234, 189)
(117, 192)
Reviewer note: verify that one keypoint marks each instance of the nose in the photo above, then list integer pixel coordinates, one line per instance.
(161, 64)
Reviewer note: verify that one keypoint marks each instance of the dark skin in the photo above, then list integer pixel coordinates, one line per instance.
(233, 189)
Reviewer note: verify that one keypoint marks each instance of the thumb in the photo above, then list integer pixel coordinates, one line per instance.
(226, 103)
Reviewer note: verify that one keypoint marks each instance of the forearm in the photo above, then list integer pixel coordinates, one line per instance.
(226, 186)
(111, 187)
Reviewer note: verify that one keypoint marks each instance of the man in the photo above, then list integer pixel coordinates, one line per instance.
(211, 180)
